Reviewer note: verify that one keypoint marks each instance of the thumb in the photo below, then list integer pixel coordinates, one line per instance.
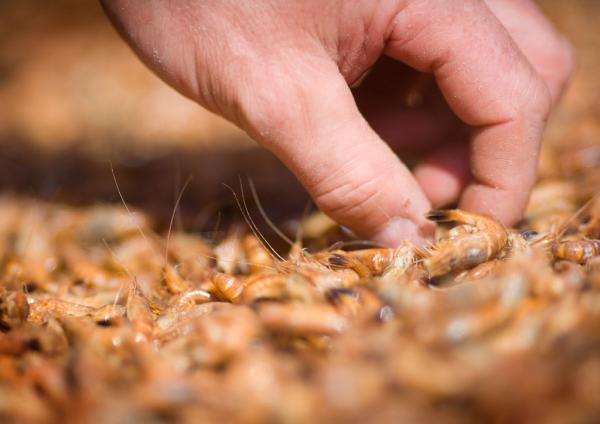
(308, 118)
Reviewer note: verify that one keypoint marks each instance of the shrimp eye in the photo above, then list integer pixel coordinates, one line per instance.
(104, 322)
(530, 235)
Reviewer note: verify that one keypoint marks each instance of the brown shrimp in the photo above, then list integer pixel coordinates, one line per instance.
(371, 262)
(190, 298)
(139, 314)
(301, 319)
(465, 325)
(480, 240)
(323, 278)
(40, 309)
(273, 286)
(365, 263)
(580, 250)
(591, 228)
(173, 281)
(403, 260)
(478, 272)
(571, 274)
(266, 285)
(14, 308)
(354, 302)
(593, 270)
(227, 287)
(517, 244)
(257, 256)
(192, 255)
(13, 343)
(109, 315)
(228, 253)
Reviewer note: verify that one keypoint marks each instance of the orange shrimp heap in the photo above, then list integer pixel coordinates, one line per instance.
(104, 320)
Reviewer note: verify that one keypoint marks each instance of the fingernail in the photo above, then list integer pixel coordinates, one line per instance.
(399, 229)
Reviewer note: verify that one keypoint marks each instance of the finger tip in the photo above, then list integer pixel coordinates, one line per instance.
(439, 187)
(400, 229)
(506, 206)
(444, 174)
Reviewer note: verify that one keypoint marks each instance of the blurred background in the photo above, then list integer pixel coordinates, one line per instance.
(74, 100)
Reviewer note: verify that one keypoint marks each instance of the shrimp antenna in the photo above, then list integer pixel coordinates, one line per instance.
(215, 230)
(214, 257)
(265, 216)
(300, 230)
(116, 258)
(122, 265)
(173, 217)
(577, 213)
(258, 233)
(559, 231)
(114, 175)
(249, 221)
(263, 238)
(300, 234)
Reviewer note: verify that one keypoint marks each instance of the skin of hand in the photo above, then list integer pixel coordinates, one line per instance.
(282, 70)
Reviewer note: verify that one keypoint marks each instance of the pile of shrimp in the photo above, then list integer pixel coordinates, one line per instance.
(104, 319)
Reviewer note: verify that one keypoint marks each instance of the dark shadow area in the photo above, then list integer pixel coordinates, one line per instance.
(152, 184)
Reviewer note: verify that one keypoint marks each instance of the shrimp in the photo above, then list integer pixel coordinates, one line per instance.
(478, 272)
(365, 263)
(227, 287)
(228, 253)
(371, 262)
(14, 308)
(173, 281)
(593, 269)
(464, 325)
(353, 302)
(478, 240)
(257, 256)
(109, 315)
(579, 250)
(301, 319)
(265, 286)
(190, 298)
(404, 258)
(39, 310)
(323, 278)
(591, 228)
(139, 314)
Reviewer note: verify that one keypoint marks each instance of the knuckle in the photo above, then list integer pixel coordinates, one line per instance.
(349, 199)
(267, 109)
(565, 58)
(540, 100)
(347, 202)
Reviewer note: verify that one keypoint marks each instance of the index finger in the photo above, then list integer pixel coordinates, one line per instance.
(490, 86)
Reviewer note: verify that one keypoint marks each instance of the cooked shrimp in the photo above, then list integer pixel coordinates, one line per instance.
(227, 287)
(580, 250)
(301, 319)
(139, 314)
(479, 240)
(257, 256)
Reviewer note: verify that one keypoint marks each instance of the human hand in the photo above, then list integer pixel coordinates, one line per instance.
(281, 70)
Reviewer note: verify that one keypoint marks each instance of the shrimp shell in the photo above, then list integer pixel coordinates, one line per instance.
(366, 262)
(482, 240)
(227, 287)
(257, 257)
(139, 314)
(579, 251)
(301, 319)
